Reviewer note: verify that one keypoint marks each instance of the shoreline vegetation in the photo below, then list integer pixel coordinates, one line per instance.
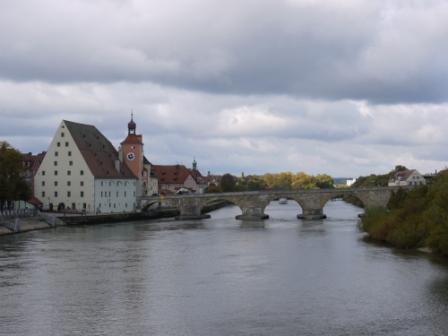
(414, 219)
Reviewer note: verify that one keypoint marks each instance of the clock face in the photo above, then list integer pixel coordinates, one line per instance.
(131, 156)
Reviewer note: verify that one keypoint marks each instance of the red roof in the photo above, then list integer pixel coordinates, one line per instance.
(173, 174)
(404, 174)
(133, 139)
(98, 152)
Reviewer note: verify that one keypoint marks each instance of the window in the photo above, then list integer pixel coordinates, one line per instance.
(56, 153)
(125, 205)
(66, 144)
(55, 183)
(55, 163)
(81, 172)
(69, 183)
(59, 144)
(69, 194)
(125, 194)
(43, 172)
(43, 183)
(73, 206)
(110, 183)
(55, 172)
(117, 193)
(55, 194)
(70, 163)
(101, 194)
(114, 205)
(101, 183)
(69, 172)
(82, 194)
(43, 193)
(81, 183)
(62, 134)
(84, 206)
(69, 153)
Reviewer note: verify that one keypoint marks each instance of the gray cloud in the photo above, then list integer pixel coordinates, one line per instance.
(379, 51)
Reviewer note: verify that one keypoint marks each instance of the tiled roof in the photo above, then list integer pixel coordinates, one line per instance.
(173, 174)
(32, 162)
(133, 139)
(97, 151)
(404, 174)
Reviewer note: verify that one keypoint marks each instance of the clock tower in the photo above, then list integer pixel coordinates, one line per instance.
(131, 150)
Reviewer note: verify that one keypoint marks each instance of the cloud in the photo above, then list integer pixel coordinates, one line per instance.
(378, 51)
(232, 132)
(344, 87)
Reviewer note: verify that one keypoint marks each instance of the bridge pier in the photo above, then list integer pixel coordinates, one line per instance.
(190, 209)
(312, 214)
(252, 214)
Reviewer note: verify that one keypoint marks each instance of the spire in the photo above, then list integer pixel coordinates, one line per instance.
(195, 164)
(132, 126)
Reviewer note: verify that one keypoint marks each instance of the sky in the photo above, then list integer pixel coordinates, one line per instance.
(343, 87)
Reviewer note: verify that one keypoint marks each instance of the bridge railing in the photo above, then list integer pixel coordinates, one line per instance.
(278, 193)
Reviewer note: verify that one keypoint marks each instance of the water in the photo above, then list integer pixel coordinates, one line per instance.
(218, 277)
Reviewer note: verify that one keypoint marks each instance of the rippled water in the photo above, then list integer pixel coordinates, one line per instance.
(218, 277)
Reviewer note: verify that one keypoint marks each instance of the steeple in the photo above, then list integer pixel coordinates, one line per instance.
(195, 165)
(132, 126)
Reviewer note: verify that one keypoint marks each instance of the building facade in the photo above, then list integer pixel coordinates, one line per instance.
(407, 178)
(82, 171)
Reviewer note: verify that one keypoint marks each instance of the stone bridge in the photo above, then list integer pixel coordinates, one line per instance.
(253, 203)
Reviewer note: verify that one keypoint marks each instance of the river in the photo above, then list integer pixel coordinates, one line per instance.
(219, 277)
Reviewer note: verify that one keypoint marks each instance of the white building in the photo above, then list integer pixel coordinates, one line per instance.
(407, 178)
(82, 171)
(350, 181)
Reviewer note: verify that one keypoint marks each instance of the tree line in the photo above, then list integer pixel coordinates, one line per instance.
(13, 186)
(269, 181)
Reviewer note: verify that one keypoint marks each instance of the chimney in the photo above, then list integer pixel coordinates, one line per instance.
(117, 165)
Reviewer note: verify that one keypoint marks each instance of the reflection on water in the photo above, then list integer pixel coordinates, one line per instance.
(219, 277)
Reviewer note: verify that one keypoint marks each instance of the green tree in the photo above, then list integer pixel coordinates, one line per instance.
(12, 184)
(228, 183)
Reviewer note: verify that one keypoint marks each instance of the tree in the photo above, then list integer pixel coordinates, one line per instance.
(12, 184)
(228, 183)
(213, 188)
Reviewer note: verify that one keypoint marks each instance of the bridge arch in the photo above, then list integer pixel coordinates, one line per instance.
(211, 201)
(275, 209)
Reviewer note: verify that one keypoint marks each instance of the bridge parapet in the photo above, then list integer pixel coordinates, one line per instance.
(253, 203)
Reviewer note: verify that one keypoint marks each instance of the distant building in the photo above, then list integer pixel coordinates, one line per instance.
(151, 185)
(31, 164)
(131, 152)
(83, 171)
(201, 181)
(172, 178)
(350, 181)
(407, 178)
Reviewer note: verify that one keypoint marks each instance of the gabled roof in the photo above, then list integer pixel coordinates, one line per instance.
(171, 174)
(404, 174)
(98, 152)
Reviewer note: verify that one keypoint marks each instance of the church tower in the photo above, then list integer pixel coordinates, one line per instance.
(131, 150)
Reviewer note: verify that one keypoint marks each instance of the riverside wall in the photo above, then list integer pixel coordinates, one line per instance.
(49, 220)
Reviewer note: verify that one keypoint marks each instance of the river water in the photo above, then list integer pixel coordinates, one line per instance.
(219, 277)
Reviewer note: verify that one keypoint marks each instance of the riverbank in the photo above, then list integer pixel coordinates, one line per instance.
(51, 220)
(415, 219)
